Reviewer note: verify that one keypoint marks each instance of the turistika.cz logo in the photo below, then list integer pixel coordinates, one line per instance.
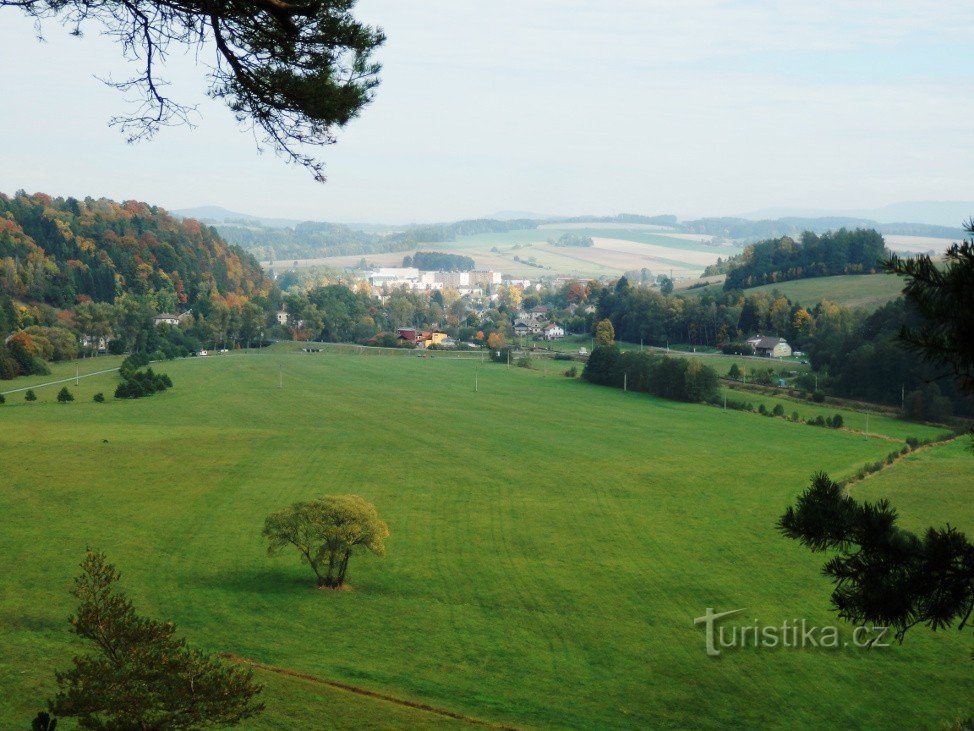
(791, 633)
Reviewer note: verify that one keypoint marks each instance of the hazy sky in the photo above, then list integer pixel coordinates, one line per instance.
(694, 107)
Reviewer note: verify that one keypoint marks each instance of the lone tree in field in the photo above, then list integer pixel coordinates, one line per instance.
(64, 395)
(605, 334)
(882, 573)
(295, 69)
(326, 531)
(141, 676)
(30, 395)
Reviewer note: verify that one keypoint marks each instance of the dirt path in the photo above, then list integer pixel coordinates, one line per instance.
(364, 692)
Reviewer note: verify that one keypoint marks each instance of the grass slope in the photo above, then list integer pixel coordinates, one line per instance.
(869, 291)
(551, 544)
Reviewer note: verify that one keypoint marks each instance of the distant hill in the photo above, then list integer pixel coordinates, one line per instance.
(62, 250)
(750, 230)
(950, 214)
(217, 214)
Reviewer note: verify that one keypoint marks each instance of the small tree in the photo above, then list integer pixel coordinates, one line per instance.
(3, 399)
(325, 531)
(734, 373)
(43, 721)
(64, 395)
(882, 573)
(605, 334)
(141, 676)
(98, 398)
(30, 395)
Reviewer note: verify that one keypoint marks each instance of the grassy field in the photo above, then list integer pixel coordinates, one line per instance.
(551, 543)
(868, 291)
(878, 424)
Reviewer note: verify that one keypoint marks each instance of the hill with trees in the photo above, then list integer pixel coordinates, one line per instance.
(61, 251)
(778, 260)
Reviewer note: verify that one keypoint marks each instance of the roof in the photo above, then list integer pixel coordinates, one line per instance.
(764, 342)
(552, 326)
(167, 316)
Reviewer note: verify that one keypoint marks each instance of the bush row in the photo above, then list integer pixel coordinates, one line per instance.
(679, 379)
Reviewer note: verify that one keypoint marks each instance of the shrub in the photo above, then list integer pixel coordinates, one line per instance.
(818, 397)
(98, 398)
(524, 362)
(763, 410)
(795, 416)
(64, 395)
(30, 395)
(572, 372)
(142, 383)
(837, 421)
(3, 399)
(778, 410)
(912, 443)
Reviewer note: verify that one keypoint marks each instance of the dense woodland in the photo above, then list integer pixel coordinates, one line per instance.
(61, 251)
(778, 260)
(437, 261)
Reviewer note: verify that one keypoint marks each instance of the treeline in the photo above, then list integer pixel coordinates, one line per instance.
(793, 226)
(679, 379)
(309, 240)
(857, 354)
(862, 358)
(572, 239)
(61, 251)
(437, 261)
(858, 251)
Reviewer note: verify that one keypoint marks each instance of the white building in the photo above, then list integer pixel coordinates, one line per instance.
(551, 331)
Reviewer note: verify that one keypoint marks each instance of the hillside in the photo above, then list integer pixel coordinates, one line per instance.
(60, 251)
(869, 291)
(584, 552)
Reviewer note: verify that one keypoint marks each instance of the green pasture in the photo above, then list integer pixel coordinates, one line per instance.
(878, 424)
(552, 542)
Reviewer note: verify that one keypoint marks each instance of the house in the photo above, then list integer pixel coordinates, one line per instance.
(552, 331)
(426, 339)
(168, 318)
(521, 328)
(771, 347)
(282, 317)
(409, 334)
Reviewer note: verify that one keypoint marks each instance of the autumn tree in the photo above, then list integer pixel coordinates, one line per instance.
(326, 531)
(605, 334)
(496, 340)
(294, 69)
(140, 675)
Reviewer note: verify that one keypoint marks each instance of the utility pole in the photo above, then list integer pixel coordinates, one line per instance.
(76, 375)
(281, 375)
(867, 423)
(476, 380)
(625, 381)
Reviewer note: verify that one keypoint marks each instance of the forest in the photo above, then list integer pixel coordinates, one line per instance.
(858, 251)
(62, 251)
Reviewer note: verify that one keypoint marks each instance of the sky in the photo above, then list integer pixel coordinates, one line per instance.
(555, 107)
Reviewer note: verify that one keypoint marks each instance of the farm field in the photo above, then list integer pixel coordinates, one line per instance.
(616, 250)
(551, 544)
(869, 291)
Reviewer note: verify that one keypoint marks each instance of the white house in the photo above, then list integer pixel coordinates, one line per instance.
(282, 317)
(168, 318)
(770, 346)
(552, 331)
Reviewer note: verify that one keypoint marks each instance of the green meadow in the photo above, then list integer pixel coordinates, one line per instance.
(866, 291)
(551, 544)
